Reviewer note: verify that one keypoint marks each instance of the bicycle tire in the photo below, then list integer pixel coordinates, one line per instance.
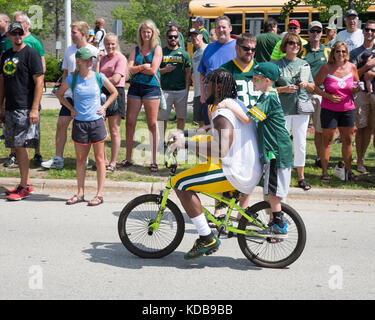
(133, 227)
(280, 253)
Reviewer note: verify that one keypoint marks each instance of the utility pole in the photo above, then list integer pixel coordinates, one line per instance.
(68, 21)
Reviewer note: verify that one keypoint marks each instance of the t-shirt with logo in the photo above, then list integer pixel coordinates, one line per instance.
(174, 80)
(243, 77)
(315, 58)
(18, 69)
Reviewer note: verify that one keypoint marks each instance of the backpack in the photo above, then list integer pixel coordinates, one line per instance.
(74, 81)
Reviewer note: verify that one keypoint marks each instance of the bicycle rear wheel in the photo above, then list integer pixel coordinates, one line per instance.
(272, 252)
(134, 227)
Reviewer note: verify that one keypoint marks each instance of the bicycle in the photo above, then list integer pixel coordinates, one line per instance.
(152, 226)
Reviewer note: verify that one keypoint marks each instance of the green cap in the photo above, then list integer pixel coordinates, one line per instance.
(267, 70)
(331, 27)
(84, 53)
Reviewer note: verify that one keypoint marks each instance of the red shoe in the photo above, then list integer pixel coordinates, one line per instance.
(20, 194)
(29, 188)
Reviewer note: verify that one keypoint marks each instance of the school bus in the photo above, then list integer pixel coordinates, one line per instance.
(249, 16)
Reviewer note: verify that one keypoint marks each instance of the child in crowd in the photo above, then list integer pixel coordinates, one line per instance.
(273, 139)
(363, 60)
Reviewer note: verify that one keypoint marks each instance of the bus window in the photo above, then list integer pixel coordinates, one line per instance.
(236, 21)
(254, 23)
(303, 19)
(280, 22)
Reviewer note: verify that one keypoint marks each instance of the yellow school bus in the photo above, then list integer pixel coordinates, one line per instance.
(249, 15)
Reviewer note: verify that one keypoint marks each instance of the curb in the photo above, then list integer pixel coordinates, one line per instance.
(127, 187)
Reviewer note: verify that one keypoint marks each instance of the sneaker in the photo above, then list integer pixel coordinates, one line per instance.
(29, 188)
(55, 163)
(11, 160)
(37, 160)
(202, 247)
(275, 231)
(20, 194)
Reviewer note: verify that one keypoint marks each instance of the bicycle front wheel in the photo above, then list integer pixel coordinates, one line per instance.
(136, 233)
(273, 252)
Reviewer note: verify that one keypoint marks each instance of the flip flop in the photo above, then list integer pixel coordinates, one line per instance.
(154, 167)
(74, 200)
(110, 168)
(95, 201)
(303, 185)
(125, 163)
(325, 179)
(361, 169)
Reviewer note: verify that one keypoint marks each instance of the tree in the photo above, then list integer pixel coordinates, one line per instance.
(323, 6)
(160, 11)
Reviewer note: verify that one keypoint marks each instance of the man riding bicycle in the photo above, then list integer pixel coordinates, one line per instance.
(232, 159)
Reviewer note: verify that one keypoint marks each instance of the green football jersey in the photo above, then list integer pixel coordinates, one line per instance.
(245, 87)
(273, 138)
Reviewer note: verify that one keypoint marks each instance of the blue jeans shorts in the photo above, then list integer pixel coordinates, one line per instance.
(143, 91)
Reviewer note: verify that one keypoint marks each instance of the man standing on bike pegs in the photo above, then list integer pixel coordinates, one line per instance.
(232, 159)
(274, 142)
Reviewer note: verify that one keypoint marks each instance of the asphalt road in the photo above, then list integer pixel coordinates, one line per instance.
(51, 251)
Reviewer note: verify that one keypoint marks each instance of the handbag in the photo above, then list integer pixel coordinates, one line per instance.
(163, 102)
(304, 107)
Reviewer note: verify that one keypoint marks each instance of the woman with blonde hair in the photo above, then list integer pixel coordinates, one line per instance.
(114, 66)
(340, 79)
(143, 65)
(294, 82)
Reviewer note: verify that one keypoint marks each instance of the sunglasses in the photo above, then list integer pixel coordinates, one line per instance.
(248, 48)
(316, 31)
(172, 37)
(16, 33)
(369, 29)
(340, 51)
(293, 43)
(293, 28)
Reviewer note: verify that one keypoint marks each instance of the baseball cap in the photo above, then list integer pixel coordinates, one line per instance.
(172, 24)
(198, 19)
(194, 30)
(84, 53)
(315, 24)
(331, 27)
(351, 12)
(267, 70)
(295, 23)
(14, 26)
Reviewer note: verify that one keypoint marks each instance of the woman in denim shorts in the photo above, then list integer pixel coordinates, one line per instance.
(88, 125)
(143, 65)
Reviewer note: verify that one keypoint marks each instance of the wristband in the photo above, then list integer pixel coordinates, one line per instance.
(139, 68)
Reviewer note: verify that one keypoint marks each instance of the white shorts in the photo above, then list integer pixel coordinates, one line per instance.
(276, 180)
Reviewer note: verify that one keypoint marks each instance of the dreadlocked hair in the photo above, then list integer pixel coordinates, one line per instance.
(228, 84)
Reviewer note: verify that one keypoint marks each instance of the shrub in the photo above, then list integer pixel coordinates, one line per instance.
(53, 72)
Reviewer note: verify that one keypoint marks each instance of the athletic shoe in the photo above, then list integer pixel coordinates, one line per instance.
(11, 160)
(202, 247)
(20, 194)
(55, 163)
(37, 160)
(29, 188)
(275, 231)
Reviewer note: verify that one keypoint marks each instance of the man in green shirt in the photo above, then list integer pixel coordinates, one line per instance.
(293, 27)
(316, 55)
(267, 41)
(198, 23)
(175, 81)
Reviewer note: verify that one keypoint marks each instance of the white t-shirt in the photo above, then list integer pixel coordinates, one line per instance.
(69, 62)
(241, 166)
(352, 39)
(99, 38)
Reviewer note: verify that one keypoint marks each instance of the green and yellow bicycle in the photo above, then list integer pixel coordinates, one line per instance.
(152, 226)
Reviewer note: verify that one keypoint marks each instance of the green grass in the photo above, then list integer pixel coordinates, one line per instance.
(141, 172)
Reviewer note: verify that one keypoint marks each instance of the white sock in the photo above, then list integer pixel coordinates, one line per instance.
(201, 224)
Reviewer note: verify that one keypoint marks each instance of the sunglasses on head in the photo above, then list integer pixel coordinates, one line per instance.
(291, 43)
(173, 37)
(369, 29)
(248, 48)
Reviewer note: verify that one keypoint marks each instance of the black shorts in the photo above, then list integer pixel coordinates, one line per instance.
(64, 111)
(86, 132)
(332, 119)
(118, 106)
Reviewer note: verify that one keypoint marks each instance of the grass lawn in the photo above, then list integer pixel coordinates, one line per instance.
(141, 172)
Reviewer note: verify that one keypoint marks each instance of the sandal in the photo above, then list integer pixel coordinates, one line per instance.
(325, 178)
(125, 163)
(303, 185)
(154, 167)
(75, 199)
(110, 168)
(352, 176)
(95, 201)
